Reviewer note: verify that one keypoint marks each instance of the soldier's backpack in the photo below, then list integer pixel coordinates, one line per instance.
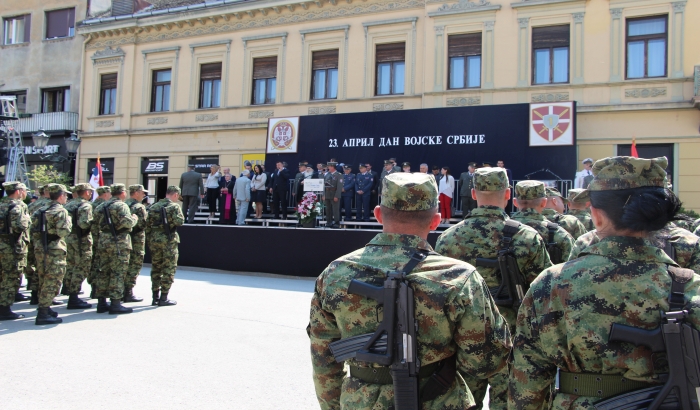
(6, 220)
(554, 250)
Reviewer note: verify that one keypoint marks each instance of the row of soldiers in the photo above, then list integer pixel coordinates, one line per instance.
(54, 241)
(468, 316)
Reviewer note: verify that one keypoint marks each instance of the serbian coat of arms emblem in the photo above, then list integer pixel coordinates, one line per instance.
(551, 124)
(282, 135)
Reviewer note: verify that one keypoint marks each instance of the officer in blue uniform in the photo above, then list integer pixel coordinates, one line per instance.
(364, 181)
(348, 191)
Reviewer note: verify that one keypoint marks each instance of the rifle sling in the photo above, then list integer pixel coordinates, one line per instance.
(597, 385)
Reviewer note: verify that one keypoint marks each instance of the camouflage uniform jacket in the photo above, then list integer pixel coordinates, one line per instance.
(697, 231)
(584, 216)
(479, 236)
(122, 219)
(83, 220)
(565, 319)
(39, 203)
(20, 222)
(95, 228)
(568, 222)
(686, 245)
(455, 313)
(137, 208)
(535, 220)
(154, 222)
(58, 222)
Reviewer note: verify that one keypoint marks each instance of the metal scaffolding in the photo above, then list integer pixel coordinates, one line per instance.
(16, 168)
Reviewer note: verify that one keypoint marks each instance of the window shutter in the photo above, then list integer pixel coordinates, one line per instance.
(552, 36)
(324, 59)
(464, 45)
(210, 71)
(58, 22)
(27, 27)
(391, 52)
(122, 7)
(109, 81)
(265, 67)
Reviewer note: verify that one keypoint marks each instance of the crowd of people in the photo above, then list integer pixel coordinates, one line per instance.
(518, 302)
(57, 243)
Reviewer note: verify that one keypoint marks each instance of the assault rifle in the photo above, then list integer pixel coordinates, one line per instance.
(511, 291)
(681, 344)
(105, 210)
(7, 229)
(394, 342)
(166, 224)
(553, 249)
(78, 230)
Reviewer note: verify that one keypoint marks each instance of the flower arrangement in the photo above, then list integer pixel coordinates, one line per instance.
(309, 208)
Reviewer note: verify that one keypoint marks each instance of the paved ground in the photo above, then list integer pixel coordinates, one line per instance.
(233, 341)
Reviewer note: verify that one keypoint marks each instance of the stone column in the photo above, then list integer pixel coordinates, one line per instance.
(616, 30)
(523, 50)
(677, 40)
(577, 49)
(487, 54)
(439, 57)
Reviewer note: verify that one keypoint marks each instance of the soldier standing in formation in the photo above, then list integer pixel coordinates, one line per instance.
(458, 324)
(31, 271)
(581, 210)
(14, 238)
(52, 223)
(138, 241)
(79, 244)
(103, 194)
(164, 217)
(348, 191)
(115, 221)
(333, 188)
(363, 186)
(556, 204)
(531, 200)
(481, 235)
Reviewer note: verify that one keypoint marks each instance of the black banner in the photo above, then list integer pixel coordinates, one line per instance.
(107, 166)
(154, 167)
(438, 136)
(203, 165)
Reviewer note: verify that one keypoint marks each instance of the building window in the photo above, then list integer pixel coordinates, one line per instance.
(464, 52)
(324, 65)
(210, 86)
(391, 68)
(160, 93)
(21, 102)
(55, 99)
(550, 54)
(60, 23)
(108, 94)
(647, 41)
(264, 80)
(16, 29)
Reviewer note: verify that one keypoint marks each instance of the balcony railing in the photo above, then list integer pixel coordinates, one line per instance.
(49, 121)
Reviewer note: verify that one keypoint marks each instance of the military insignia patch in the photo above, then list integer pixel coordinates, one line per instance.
(552, 124)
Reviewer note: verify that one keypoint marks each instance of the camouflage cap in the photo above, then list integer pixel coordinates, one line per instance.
(102, 190)
(13, 186)
(405, 191)
(56, 188)
(174, 188)
(571, 196)
(137, 187)
(490, 179)
(530, 189)
(617, 173)
(83, 187)
(117, 189)
(553, 192)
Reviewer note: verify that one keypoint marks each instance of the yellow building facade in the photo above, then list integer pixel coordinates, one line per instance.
(200, 80)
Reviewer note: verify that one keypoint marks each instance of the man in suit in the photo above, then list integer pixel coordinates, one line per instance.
(466, 183)
(279, 188)
(502, 164)
(373, 201)
(348, 191)
(437, 174)
(364, 181)
(191, 185)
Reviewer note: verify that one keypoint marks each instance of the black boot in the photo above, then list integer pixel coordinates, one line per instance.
(35, 298)
(156, 296)
(56, 302)
(53, 312)
(64, 291)
(93, 293)
(7, 314)
(45, 318)
(102, 305)
(116, 308)
(164, 300)
(19, 297)
(74, 302)
(129, 295)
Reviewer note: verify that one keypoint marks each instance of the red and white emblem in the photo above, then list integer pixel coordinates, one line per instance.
(282, 135)
(551, 124)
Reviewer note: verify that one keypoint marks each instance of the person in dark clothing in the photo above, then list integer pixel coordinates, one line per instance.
(279, 186)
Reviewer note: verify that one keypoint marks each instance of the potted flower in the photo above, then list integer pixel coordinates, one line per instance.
(308, 209)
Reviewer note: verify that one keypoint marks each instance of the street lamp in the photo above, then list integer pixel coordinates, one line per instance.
(40, 139)
(72, 144)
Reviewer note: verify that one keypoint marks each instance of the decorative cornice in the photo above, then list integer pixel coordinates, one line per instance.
(464, 6)
(386, 22)
(325, 29)
(264, 37)
(206, 117)
(261, 114)
(108, 52)
(644, 92)
(322, 110)
(527, 3)
(387, 107)
(549, 97)
(157, 121)
(463, 101)
(210, 43)
(161, 50)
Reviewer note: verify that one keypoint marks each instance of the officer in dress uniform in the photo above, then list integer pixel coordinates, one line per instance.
(333, 188)
(348, 191)
(363, 186)
(406, 167)
(389, 169)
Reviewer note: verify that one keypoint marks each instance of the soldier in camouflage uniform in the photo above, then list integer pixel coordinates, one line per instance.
(457, 319)
(138, 241)
(480, 235)
(163, 248)
(555, 207)
(51, 262)
(14, 239)
(565, 320)
(581, 210)
(531, 200)
(31, 271)
(103, 194)
(79, 243)
(114, 251)
(333, 189)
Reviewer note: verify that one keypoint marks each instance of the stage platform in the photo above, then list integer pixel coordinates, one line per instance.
(284, 251)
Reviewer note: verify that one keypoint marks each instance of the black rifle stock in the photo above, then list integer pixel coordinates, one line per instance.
(166, 223)
(511, 280)
(78, 230)
(108, 218)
